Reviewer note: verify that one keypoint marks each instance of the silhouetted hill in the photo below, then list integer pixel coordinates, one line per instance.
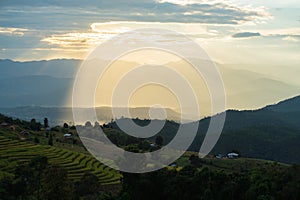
(263, 133)
(288, 110)
(290, 105)
(271, 133)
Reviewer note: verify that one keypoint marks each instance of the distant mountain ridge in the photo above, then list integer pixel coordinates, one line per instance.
(263, 133)
(49, 83)
(272, 132)
(289, 105)
(59, 68)
(60, 115)
(34, 90)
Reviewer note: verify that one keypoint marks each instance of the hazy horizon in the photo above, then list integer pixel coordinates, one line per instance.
(245, 88)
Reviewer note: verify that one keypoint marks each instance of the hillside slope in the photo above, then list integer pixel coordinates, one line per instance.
(13, 153)
(267, 133)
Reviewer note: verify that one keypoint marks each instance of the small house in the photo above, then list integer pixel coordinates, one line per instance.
(4, 124)
(24, 133)
(232, 155)
(153, 145)
(173, 165)
(220, 155)
(13, 128)
(67, 135)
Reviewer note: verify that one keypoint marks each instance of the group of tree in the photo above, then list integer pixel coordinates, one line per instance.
(119, 138)
(264, 183)
(34, 125)
(40, 180)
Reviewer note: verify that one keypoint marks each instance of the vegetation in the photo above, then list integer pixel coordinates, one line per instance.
(271, 181)
(41, 163)
(40, 180)
(14, 153)
(260, 134)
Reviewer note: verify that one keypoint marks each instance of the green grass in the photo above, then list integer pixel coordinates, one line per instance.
(14, 152)
(226, 164)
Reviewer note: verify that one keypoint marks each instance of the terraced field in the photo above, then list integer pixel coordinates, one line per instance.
(14, 152)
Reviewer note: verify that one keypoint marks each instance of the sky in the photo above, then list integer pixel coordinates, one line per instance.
(262, 36)
(230, 31)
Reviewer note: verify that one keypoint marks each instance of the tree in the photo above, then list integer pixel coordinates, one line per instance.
(38, 165)
(195, 160)
(66, 125)
(88, 124)
(22, 182)
(6, 185)
(27, 180)
(74, 141)
(56, 184)
(159, 140)
(46, 125)
(144, 145)
(33, 121)
(36, 140)
(132, 148)
(34, 125)
(50, 140)
(96, 125)
(208, 194)
(88, 185)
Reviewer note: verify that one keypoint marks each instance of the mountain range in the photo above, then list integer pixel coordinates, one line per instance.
(60, 115)
(41, 89)
(49, 84)
(271, 133)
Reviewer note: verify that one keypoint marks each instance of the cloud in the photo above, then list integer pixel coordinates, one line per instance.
(291, 38)
(198, 11)
(12, 31)
(75, 40)
(179, 2)
(123, 26)
(282, 32)
(102, 31)
(287, 34)
(246, 35)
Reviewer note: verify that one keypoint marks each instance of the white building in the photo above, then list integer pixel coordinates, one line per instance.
(232, 155)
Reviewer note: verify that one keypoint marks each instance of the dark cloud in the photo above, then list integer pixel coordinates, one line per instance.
(56, 13)
(246, 34)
